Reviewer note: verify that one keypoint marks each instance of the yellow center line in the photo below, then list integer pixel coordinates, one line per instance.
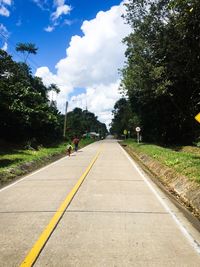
(40, 243)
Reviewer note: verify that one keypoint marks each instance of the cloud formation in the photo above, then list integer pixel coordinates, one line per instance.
(98, 99)
(4, 34)
(42, 4)
(60, 10)
(5, 47)
(57, 11)
(3, 30)
(4, 7)
(49, 29)
(92, 62)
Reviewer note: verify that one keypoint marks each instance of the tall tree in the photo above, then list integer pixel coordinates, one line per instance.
(161, 75)
(26, 113)
(26, 49)
(81, 121)
(123, 118)
(25, 110)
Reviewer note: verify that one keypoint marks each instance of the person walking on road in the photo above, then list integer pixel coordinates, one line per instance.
(69, 149)
(76, 142)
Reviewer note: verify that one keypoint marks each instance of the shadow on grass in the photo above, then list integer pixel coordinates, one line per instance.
(7, 162)
(14, 151)
(196, 158)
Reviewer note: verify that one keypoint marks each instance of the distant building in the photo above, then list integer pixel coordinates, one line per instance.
(92, 135)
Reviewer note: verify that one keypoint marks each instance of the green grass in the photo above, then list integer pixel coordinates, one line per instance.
(184, 160)
(13, 160)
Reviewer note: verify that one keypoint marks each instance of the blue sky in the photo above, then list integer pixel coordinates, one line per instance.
(79, 47)
(29, 18)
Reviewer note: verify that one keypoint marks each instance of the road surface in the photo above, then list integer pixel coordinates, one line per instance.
(118, 217)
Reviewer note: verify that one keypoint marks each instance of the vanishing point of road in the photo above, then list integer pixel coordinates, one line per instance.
(95, 208)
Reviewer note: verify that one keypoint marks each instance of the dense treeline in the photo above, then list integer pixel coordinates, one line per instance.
(27, 115)
(25, 110)
(161, 76)
(80, 122)
(123, 118)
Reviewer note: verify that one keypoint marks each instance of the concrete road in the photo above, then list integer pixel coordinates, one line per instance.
(118, 217)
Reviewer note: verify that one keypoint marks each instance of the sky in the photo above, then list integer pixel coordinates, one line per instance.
(79, 48)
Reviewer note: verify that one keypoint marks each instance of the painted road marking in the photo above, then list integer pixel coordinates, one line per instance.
(31, 174)
(189, 237)
(40, 243)
(20, 180)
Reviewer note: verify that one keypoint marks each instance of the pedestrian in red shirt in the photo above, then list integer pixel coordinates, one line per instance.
(76, 142)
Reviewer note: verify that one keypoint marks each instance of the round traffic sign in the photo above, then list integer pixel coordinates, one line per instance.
(137, 129)
(125, 132)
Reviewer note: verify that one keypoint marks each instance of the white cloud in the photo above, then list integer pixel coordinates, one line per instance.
(68, 22)
(42, 4)
(57, 10)
(59, 2)
(4, 31)
(3, 9)
(46, 75)
(61, 10)
(49, 29)
(19, 22)
(99, 99)
(7, 2)
(92, 62)
(5, 47)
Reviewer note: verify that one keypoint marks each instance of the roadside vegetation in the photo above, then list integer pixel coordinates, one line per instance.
(18, 161)
(27, 115)
(184, 160)
(160, 79)
(160, 87)
(30, 121)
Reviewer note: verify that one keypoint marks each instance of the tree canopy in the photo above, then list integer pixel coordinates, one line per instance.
(27, 114)
(81, 121)
(161, 75)
(123, 118)
(26, 49)
(25, 110)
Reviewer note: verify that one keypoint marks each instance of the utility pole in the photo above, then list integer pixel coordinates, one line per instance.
(65, 121)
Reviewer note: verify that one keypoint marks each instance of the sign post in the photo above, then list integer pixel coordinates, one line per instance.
(138, 134)
(65, 121)
(125, 133)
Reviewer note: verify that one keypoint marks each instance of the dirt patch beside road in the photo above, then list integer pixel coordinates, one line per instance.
(186, 191)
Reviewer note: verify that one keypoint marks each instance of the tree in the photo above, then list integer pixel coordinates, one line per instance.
(123, 118)
(161, 76)
(25, 111)
(53, 87)
(81, 121)
(26, 49)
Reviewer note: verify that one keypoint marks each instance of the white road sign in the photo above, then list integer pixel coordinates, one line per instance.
(138, 129)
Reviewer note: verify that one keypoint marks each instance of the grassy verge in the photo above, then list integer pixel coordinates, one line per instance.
(184, 160)
(17, 162)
